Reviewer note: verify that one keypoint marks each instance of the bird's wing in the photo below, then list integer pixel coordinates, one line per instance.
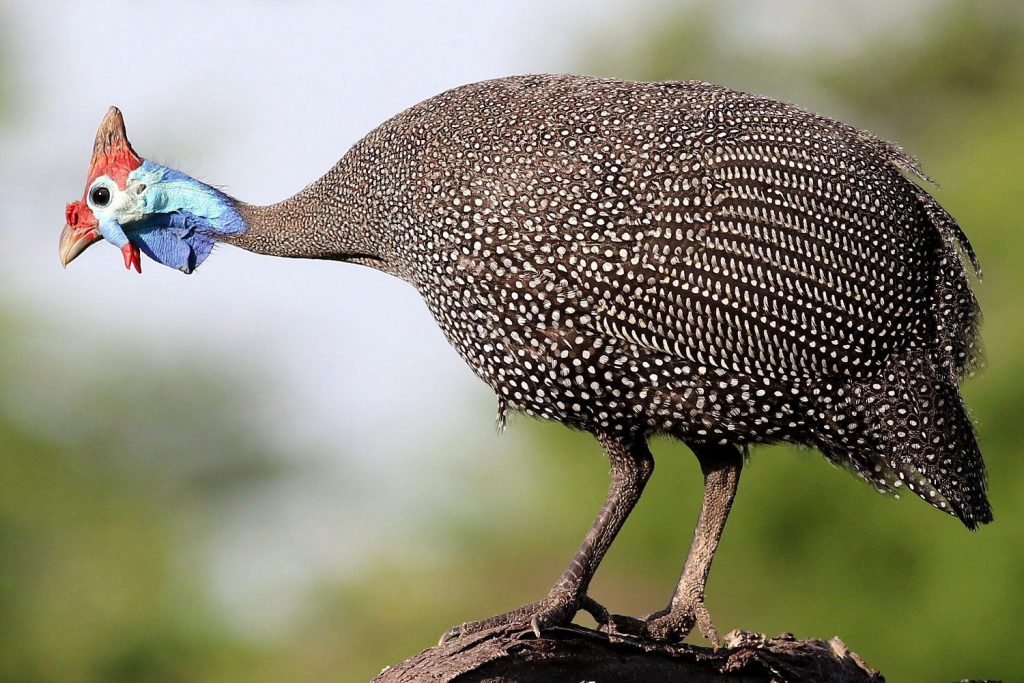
(785, 246)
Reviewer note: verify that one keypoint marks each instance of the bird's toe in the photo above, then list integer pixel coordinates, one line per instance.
(676, 622)
(623, 625)
(539, 616)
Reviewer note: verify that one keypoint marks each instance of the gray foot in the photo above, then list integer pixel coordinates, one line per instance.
(545, 614)
(670, 625)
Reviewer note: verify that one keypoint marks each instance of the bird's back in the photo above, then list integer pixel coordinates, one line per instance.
(684, 258)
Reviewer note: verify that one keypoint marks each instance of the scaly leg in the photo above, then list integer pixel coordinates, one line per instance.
(721, 467)
(631, 467)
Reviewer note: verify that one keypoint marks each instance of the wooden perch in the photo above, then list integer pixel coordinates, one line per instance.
(576, 654)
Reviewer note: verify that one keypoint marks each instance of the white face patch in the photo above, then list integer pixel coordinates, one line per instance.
(107, 200)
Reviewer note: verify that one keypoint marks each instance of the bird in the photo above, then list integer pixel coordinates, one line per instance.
(634, 259)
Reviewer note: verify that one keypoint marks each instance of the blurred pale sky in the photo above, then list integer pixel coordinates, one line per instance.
(261, 98)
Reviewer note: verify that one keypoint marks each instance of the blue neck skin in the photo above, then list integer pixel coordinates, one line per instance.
(182, 218)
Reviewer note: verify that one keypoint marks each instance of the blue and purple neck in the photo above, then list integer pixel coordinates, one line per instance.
(180, 218)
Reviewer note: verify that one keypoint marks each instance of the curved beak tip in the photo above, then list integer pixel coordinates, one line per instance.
(72, 243)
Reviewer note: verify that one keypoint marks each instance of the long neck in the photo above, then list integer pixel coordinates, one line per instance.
(326, 220)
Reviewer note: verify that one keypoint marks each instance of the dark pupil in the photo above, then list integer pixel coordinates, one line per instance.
(101, 196)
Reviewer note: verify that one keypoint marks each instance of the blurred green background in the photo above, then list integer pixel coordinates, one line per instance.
(99, 547)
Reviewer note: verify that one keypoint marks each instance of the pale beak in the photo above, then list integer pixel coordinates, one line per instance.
(73, 241)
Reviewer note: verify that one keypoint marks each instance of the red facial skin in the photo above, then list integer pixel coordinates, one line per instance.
(80, 217)
(116, 163)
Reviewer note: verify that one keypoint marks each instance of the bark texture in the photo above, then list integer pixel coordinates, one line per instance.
(577, 654)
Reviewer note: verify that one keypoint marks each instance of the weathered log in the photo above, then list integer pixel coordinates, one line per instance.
(577, 654)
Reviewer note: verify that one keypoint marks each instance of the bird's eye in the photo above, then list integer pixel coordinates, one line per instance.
(100, 196)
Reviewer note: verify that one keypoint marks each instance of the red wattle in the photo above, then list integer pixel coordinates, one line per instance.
(132, 257)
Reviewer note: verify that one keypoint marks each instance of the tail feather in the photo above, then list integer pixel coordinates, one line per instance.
(909, 427)
(954, 307)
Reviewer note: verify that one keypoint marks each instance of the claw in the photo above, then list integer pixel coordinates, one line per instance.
(450, 634)
(535, 625)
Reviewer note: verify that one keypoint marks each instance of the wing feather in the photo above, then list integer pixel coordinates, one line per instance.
(790, 246)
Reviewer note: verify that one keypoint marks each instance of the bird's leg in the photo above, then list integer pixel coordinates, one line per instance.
(721, 467)
(631, 467)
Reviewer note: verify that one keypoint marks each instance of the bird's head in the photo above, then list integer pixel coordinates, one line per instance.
(140, 206)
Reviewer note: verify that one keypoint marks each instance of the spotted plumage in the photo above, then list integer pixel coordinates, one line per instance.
(678, 258)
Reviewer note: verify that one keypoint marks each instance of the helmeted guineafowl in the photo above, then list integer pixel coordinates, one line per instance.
(634, 259)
